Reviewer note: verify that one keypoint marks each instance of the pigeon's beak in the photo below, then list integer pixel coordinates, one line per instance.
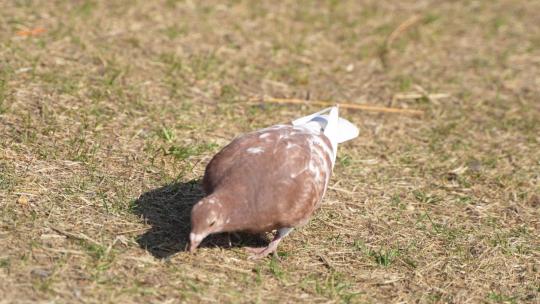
(193, 246)
(194, 241)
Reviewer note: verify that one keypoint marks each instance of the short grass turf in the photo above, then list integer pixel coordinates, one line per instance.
(109, 111)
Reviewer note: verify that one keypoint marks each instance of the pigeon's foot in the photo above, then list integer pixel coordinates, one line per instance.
(262, 252)
(257, 253)
(254, 250)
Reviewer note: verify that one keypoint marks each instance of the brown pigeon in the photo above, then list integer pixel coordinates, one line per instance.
(270, 179)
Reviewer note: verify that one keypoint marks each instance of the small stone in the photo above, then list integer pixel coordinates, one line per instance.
(77, 293)
(534, 201)
(474, 165)
(40, 273)
(23, 201)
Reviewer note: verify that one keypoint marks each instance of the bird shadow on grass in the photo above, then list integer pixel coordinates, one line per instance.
(168, 210)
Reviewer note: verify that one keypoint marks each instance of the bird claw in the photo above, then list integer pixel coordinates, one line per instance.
(262, 252)
(254, 249)
(258, 253)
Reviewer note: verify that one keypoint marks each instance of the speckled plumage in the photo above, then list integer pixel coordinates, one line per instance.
(271, 179)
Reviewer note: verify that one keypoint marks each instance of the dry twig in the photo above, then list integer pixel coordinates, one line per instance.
(410, 22)
(32, 32)
(342, 105)
(80, 236)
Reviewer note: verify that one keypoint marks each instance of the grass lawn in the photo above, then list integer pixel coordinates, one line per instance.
(110, 110)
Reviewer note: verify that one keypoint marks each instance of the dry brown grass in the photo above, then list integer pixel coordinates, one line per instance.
(108, 117)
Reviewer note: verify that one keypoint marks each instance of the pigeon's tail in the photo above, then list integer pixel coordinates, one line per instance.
(346, 131)
(332, 128)
(332, 121)
(304, 120)
(337, 129)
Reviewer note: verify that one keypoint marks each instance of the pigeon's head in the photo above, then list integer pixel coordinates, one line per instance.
(206, 218)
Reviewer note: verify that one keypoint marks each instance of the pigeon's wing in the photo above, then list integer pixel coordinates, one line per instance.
(287, 184)
(302, 177)
(278, 176)
(232, 156)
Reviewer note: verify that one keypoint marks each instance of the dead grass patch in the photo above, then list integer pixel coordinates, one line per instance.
(108, 117)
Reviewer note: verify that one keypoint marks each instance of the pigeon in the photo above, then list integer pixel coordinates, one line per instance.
(270, 179)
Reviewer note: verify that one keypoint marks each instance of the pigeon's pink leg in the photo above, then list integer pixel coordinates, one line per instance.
(259, 253)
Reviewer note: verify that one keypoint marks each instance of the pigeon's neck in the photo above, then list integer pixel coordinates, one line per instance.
(227, 205)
